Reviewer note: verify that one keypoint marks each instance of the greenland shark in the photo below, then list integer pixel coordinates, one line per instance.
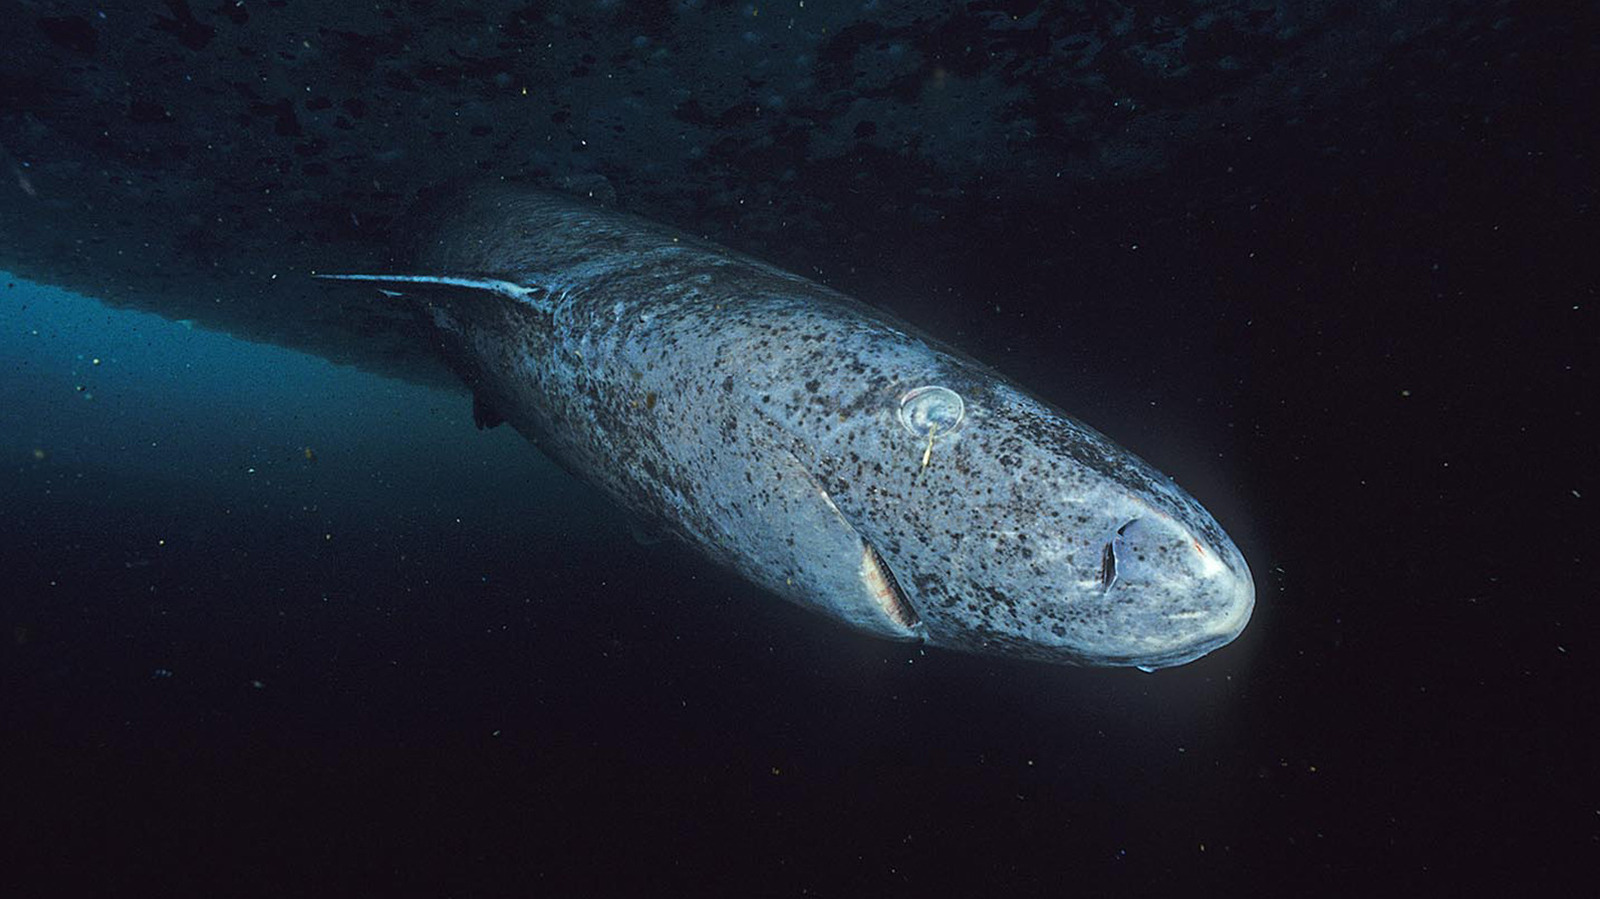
(820, 448)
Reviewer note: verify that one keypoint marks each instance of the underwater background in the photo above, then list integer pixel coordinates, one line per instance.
(278, 620)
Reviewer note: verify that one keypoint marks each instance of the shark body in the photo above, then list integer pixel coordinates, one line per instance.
(815, 445)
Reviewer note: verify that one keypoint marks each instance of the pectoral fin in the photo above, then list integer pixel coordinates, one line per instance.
(828, 564)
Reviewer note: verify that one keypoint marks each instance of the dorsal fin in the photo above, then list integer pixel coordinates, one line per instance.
(533, 296)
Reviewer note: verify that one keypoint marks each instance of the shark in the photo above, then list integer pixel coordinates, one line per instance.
(824, 450)
(199, 162)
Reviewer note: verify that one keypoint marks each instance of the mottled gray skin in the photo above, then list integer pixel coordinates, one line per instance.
(755, 415)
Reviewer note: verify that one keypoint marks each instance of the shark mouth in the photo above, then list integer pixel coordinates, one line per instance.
(885, 590)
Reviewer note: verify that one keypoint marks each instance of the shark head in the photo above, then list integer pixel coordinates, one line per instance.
(1009, 528)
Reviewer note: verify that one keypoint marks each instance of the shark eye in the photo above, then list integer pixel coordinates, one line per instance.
(931, 411)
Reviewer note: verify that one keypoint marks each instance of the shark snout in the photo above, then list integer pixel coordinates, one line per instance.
(1175, 596)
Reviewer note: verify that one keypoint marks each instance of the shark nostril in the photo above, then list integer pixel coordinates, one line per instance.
(1108, 555)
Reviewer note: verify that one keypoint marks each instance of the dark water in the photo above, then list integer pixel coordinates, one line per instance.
(231, 658)
(275, 626)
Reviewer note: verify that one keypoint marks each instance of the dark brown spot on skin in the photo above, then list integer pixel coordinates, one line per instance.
(650, 400)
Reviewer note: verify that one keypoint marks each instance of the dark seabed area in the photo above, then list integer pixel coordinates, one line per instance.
(277, 620)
